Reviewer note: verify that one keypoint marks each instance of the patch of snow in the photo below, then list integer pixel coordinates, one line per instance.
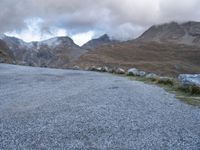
(23, 44)
(2, 36)
(51, 42)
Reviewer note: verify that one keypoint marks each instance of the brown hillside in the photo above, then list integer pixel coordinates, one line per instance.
(5, 56)
(164, 59)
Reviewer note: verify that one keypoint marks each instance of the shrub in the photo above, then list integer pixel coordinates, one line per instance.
(165, 81)
(192, 89)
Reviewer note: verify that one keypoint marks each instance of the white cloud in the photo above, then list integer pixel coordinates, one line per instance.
(123, 19)
(33, 32)
(82, 38)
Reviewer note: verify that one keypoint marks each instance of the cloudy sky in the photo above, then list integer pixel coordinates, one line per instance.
(34, 20)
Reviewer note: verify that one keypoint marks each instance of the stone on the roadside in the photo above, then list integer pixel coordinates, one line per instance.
(189, 79)
(111, 70)
(136, 72)
(133, 72)
(93, 68)
(76, 68)
(99, 69)
(104, 69)
(120, 71)
(142, 73)
(151, 76)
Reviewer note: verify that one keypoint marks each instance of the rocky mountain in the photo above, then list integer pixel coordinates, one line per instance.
(168, 49)
(59, 52)
(186, 33)
(5, 55)
(94, 43)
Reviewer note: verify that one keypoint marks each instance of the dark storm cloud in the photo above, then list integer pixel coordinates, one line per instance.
(120, 18)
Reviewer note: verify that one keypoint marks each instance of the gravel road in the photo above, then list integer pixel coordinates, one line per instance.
(65, 109)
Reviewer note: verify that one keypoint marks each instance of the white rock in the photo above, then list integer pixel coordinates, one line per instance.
(76, 68)
(105, 69)
(151, 76)
(136, 72)
(189, 79)
(120, 71)
(99, 69)
(142, 73)
(133, 71)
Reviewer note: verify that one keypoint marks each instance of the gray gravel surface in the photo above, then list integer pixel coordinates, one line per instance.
(65, 109)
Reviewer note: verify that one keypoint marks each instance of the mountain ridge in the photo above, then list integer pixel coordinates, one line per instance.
(55, 52)
(187, 33)
(92, 44)
(169, 48)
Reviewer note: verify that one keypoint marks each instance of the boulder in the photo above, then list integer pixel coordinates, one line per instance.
(151, 76)
(120, 71)
(99, 69)
(136, 72)
(111, 70)
(133, 72)
(93, 68)
(105, 69)
(142, 73)
(189, 79)
(76, 68)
